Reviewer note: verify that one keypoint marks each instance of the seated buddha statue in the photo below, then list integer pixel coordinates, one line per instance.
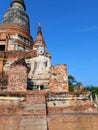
(40, 65)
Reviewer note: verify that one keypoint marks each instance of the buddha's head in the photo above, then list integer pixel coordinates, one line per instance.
(40, 50)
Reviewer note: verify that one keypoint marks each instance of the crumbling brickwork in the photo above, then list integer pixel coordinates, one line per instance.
(23, 111)
(29, 111)
(17, 79)
(9, 123)
(36, 104)
(17, 122)
(58, 79)
(73, 122)
(70, 102)
(31, 123)
(30, 103)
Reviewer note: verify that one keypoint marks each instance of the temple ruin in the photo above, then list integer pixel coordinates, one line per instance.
(33, 92)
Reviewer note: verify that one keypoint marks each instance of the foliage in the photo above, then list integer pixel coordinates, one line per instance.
(92, 89)
(71, 82)
(71, 88)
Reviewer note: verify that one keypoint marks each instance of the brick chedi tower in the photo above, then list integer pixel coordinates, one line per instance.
(15, 38)
(14, 29)
(39, 39)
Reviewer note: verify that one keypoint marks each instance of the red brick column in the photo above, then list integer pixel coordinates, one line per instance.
(17, 79)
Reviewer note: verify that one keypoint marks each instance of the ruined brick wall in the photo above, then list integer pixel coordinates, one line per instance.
(16, 122)
(73, 122)
(59, 78)
(17, 79)
(33, 123)
(31, 103)
(36, 103)
(65, 122)
(9, 122)
(25, 112)
(69, 102)
(29, 112)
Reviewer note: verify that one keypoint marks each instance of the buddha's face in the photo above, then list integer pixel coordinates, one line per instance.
(40, 50)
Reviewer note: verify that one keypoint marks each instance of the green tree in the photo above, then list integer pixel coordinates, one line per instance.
(71, 82)
(92, 89)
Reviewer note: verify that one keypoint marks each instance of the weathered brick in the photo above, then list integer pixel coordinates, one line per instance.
(17, 79)
(59, 78)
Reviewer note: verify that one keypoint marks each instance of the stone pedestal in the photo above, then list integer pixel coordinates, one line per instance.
(38, 84)
(39, 81)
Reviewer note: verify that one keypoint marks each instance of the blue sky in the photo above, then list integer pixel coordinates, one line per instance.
(70, 30)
